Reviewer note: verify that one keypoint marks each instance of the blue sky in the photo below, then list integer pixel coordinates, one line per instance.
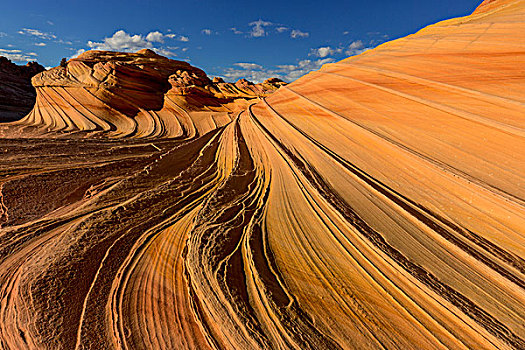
(232, 39)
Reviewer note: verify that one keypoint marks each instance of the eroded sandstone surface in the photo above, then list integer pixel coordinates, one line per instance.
(134, 95)
(375, 204)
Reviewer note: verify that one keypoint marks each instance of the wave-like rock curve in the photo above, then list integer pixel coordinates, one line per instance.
(141, 94)
(375, 204)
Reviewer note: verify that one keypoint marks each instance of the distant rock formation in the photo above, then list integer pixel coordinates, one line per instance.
(17, 95)
(378, 203)
(136, 94)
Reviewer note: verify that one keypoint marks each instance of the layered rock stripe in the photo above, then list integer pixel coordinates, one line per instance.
(134, 95)
(376, 203)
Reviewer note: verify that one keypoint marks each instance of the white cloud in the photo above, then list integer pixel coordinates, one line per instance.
(50, 23)
(206, 31)
(248, 65)
(358, 44)
(281, 29)
(286, 67)
(10, 51)
(2, 34)
(298, 34)
(156, 37)
(293, 72)
(37, 33)
(256, 76)
(78, 53)
(122, 41)
(164, 52)
(286, 72)
(60, 41)
(258, 28)
(325, 51)
(356, 48)
(40, 44)
(18, 55)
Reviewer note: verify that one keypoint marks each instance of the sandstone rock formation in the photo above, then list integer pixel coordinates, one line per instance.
(140, 94)
(375, 204)
(17, 95)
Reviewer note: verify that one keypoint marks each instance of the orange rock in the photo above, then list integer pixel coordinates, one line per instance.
(402, 169)
(130, 94)
(375, 204)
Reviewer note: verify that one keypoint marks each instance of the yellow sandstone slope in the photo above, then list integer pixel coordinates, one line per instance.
(377, 203)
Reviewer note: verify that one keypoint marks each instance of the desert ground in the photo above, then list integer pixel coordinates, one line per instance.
(377, 203)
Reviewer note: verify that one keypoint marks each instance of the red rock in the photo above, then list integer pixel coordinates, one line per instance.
(377, 203)
(132, 94)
